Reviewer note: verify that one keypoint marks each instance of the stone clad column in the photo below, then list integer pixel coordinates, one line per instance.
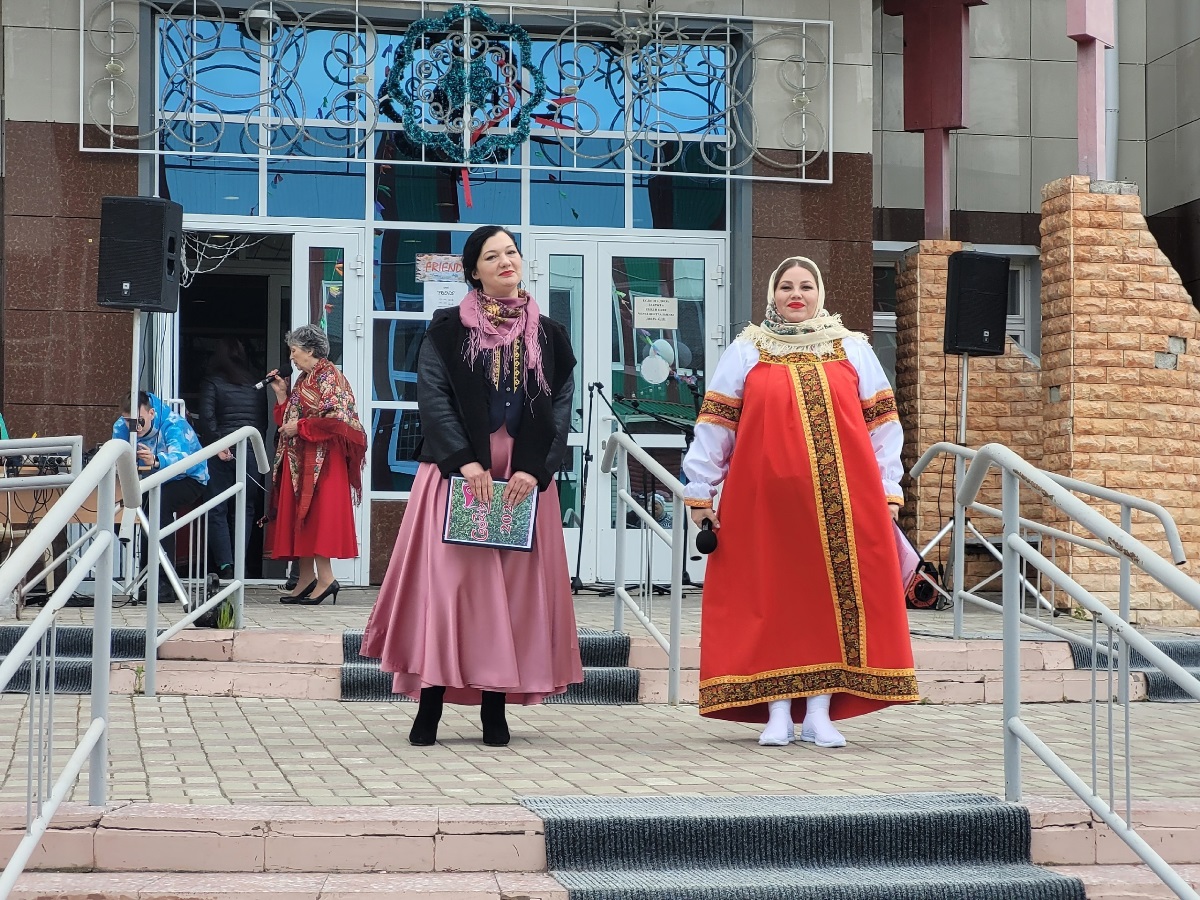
(1120, 377)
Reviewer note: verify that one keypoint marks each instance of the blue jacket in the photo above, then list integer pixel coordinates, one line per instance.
(171, 439)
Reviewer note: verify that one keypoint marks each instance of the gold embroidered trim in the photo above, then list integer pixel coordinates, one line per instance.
(889, 685)
(720, 409)
(879, 409)
(697, 503)
(833, 504)
(835, 353)
(898, 499)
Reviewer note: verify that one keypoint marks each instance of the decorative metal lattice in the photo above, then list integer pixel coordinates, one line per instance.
(634, 92)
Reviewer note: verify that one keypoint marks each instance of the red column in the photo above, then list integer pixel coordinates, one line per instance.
(1091, 24)
(936, 34)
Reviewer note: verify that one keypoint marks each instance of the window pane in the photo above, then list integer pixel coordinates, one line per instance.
(570, 498)
(885, 288)
(593, 198)
(397, 342)
(565, 303)
(662, 367)
(395, 261)
(394, 437)
(411, 193)
(1014, 292)
(307, 188)
(326, 295)
(209, 184)
(884, 345)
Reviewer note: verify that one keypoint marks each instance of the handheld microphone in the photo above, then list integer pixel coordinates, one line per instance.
(284, 371)
(706, 540)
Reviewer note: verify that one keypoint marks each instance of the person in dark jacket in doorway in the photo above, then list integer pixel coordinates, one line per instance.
(228, 401)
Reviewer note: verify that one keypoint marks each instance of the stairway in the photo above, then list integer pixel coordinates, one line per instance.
(903, 847)
(608, 680)
(1159, 687)
(73, 643)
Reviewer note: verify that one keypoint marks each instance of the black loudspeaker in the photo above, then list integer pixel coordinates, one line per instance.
(976, 304)
(140, 243)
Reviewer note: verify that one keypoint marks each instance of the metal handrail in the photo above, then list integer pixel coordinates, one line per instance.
(619, 447)
(1015, 471)
(959, 525)
(1071, 484)
(113, 464)
(238, 440)
(1061, 498)
(72, 444)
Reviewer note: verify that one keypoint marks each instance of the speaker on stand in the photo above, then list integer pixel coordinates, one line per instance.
(140, 265)
(141, 242)
(976, 325)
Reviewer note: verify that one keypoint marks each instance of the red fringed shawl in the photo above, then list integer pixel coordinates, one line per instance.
(322, 398)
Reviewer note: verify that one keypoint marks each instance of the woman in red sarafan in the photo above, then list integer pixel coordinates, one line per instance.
(803, 597)
(318, 468)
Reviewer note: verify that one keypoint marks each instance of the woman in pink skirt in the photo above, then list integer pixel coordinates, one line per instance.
(477, 624)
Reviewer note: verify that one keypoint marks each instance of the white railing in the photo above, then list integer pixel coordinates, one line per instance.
(114, 461)
(239, 441)
(618, 448)
(1112, 540)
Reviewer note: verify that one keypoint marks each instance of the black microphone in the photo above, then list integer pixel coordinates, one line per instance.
(284, 372)
(706, 540)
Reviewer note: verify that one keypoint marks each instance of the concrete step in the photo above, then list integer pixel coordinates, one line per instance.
(294, 886)
(948, 672)
(160, 837)
(306, 665)
(1127, 882)
(1067, 833)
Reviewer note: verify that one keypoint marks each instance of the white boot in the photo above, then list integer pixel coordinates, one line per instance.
(779, 731)
(817, 729)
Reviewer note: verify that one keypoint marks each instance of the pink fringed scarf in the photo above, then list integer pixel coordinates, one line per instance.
(494, 324)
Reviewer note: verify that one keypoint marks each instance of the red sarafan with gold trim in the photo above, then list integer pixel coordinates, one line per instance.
(803, 595)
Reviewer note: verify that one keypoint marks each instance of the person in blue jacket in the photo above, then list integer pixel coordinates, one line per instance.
(164, 437)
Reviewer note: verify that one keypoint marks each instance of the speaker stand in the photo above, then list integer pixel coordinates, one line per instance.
(136, 367)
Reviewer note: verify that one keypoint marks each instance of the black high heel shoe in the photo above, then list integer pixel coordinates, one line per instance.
(429, 714)
(300, 597)
(491, 715)
(331, 591)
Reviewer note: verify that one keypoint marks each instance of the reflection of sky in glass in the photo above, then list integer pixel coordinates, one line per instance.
(309, 73)
(308, 70)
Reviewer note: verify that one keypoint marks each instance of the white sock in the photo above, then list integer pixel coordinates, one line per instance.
(779, 730)
(817, 729)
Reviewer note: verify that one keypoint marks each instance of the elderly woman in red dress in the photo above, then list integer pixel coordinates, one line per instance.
(802, 598)
(318, 468)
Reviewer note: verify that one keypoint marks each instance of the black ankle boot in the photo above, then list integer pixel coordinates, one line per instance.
(429, 714)
(495, 728)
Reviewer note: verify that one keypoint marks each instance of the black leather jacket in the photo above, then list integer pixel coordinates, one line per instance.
(455, 403)
(226, 407)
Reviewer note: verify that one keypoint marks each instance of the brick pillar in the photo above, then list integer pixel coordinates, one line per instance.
(1002, 393)
(1120, 376)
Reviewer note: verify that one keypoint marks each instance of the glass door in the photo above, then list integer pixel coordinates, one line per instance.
(328, 289)
(665, 320)
(645, 326)
(562, 274)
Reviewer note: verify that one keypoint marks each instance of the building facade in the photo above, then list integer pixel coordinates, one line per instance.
(655, 160)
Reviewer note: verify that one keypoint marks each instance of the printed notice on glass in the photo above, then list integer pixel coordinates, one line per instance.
(443, 294)
(474, 523)
(656, 313)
